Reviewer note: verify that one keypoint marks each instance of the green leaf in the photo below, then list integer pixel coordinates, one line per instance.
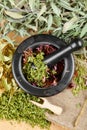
(20, 3)
(12, 2)
(56, 10)
(57, 20)
(32, 5)
(43, 19)
(13, 15)
(43, 9)
(84, 30)
(68, 25)
(66, 5)
(50, 21)
(32, 27)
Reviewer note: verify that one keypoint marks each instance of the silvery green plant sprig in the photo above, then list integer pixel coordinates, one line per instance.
(62, 18)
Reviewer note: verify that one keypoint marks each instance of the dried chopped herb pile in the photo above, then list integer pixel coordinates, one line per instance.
(18, 107)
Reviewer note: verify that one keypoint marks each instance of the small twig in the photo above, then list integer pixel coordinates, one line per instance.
(81, 113)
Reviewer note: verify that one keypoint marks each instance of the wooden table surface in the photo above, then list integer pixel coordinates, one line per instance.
(13, 125)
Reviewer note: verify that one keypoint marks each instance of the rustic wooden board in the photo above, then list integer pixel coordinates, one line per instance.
(71, 109)
(13, 125)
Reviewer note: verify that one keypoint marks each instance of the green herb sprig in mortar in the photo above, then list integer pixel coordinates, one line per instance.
(35, 69)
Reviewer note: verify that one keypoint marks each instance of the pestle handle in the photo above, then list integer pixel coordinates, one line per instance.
(58, 55)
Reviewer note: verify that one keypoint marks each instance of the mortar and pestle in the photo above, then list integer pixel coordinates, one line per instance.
(64, 52)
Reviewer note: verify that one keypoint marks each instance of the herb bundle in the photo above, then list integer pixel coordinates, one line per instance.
(63, 18)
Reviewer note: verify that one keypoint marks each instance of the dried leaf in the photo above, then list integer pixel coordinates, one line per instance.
(14, 15)
(8, 40)
(50, 21)
(56, 10)
(6, 84)
(69, 24)
(1, 57)
(1, 71)
(84, 30)
(43, 9)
